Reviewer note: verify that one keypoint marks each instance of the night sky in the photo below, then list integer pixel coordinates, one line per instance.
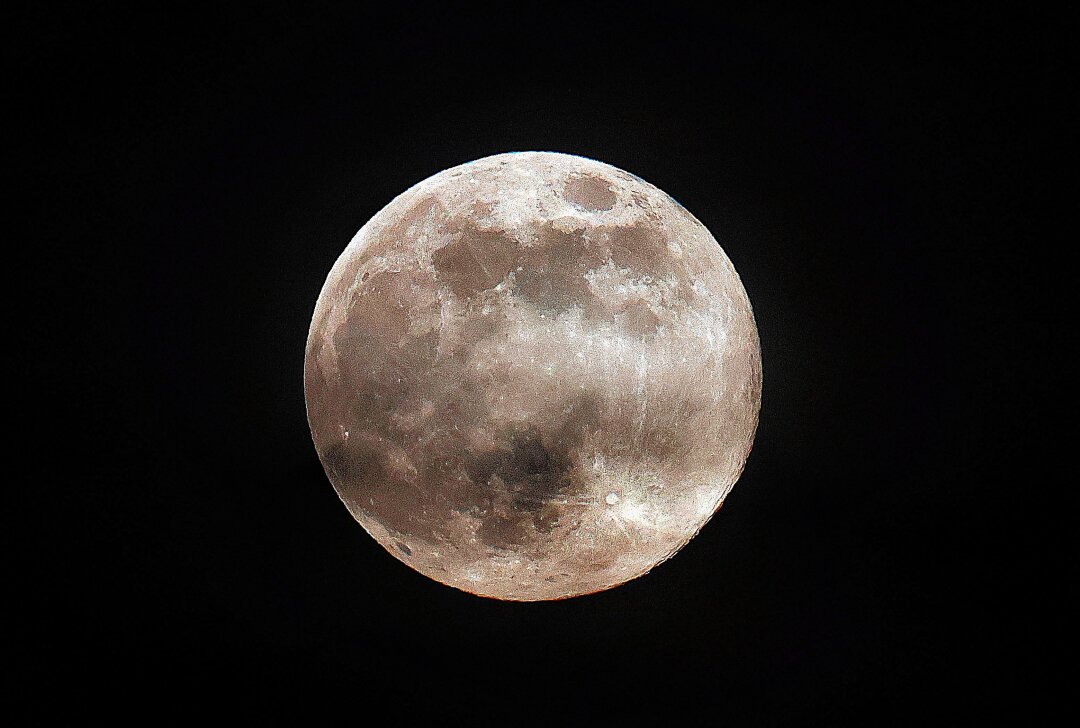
(187, 178)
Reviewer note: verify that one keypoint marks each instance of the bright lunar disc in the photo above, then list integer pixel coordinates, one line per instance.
(533, 376)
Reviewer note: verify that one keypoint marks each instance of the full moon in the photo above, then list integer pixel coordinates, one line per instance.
(533, 376)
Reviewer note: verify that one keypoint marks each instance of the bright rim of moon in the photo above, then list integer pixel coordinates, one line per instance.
(533, 376)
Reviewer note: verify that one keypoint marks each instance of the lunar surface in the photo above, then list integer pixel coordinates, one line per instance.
(533, 376)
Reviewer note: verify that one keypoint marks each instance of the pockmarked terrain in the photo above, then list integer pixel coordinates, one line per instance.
(533, 376)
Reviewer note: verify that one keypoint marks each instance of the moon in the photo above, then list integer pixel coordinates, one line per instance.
(533, 376)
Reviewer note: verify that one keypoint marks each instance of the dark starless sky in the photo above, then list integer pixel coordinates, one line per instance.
(191, 176)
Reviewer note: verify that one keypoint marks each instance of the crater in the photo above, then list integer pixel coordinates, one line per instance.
(589, 193)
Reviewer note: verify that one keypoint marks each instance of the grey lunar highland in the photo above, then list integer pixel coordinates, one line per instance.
(533, 376)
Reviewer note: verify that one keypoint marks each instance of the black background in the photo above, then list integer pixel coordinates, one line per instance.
(190, 177)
